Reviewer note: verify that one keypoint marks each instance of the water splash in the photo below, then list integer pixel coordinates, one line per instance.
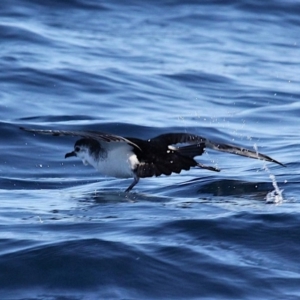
(274, 196)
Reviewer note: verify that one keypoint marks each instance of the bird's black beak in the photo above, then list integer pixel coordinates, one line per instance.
(70, 154)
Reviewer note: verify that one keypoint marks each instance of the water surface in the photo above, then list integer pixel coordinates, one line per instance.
(226, 70)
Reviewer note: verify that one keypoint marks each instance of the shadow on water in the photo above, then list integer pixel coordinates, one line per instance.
(219, 188)
(192, 189)
(229, 187)
(110, 196)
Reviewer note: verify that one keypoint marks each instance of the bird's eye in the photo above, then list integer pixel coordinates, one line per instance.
(77, 149)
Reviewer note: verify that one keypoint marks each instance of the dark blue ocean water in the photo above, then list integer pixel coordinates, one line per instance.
(226, 70)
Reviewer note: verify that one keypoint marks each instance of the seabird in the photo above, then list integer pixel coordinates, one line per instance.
(122, 157)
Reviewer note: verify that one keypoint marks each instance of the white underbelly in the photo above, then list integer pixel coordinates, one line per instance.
(119, 162)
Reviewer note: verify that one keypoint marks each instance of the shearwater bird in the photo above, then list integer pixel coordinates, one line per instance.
(122, 157)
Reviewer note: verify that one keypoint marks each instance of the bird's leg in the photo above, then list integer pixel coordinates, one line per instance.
(135, 181)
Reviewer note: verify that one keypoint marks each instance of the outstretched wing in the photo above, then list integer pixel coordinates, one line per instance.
(241, 151)
(95, 135)
(163, 155)
(196, 141)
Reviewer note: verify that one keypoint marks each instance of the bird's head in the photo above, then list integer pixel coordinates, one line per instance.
(86, 150)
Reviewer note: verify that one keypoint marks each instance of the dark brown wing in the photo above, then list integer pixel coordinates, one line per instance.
(179, 138)
(164, 154)
(166, 167)
(175, 138)
(95, 135)
(159, 156)
(241, 151)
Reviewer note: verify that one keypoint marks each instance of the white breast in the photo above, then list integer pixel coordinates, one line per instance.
(119, 160)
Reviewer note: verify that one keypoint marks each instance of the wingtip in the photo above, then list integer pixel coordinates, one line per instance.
(279, 163)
